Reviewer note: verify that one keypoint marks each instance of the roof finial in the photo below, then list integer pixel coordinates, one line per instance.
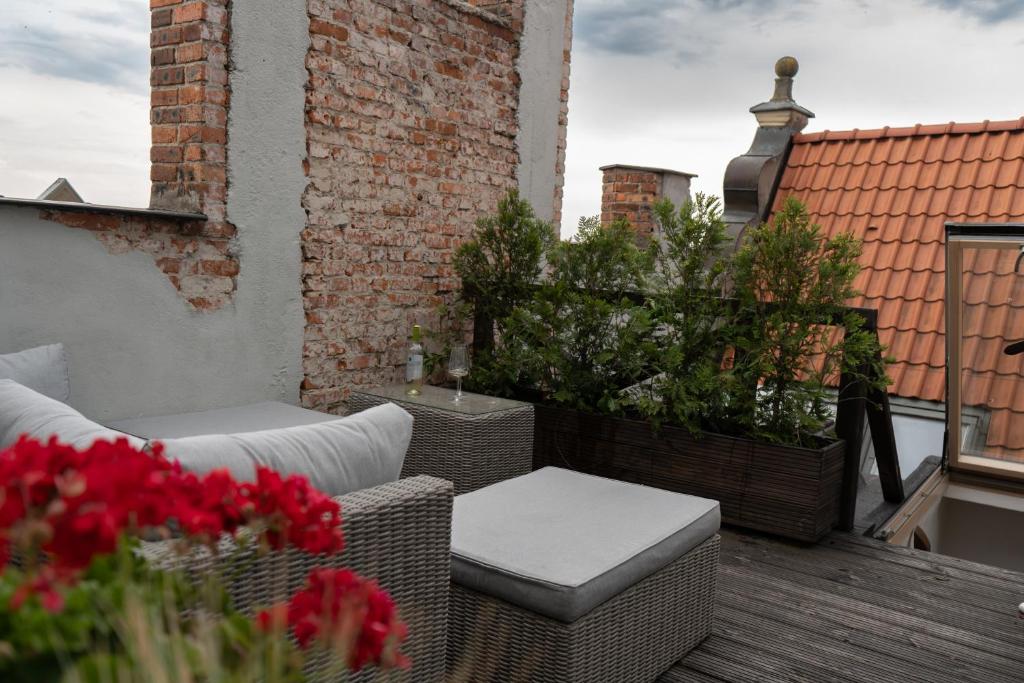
(785, 69)
(781, 111)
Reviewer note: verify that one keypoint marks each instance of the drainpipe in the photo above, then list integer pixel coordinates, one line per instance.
(751, 179)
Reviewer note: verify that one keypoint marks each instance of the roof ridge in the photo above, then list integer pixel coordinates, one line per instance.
(917, 130)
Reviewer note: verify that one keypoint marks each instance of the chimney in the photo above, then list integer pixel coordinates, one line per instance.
(751, 179)
(630, 191)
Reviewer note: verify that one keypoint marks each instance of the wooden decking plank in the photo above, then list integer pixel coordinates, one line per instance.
(803, 568)
(853, 609)
(678, 674)
(983, 575)
(856, 569)
(824, 598)
(722, 657)
(943, 659)
(797, 645)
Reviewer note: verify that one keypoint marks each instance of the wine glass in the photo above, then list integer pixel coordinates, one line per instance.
(458, 367)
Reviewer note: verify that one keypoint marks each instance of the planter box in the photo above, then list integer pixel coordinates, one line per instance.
(785, 490)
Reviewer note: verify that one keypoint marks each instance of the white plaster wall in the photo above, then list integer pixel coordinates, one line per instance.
(134, 345)
(540, 71)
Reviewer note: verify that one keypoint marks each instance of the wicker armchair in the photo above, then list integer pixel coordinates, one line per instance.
(399, 533)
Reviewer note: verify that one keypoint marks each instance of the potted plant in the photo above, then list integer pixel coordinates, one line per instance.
(691, 369)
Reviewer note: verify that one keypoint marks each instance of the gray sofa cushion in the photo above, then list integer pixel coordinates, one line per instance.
(560, 543)
(43, 369)
(343, 455)
(249, 418)
(24, 411)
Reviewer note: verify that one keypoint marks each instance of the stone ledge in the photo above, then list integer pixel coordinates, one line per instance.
(82, 207)
(646, 169)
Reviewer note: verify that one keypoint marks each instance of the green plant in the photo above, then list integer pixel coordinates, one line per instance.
(685, 300)
(788, 278)
(500, 268)
(582, 336)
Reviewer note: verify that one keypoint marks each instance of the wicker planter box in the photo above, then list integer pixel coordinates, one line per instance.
(785, 490)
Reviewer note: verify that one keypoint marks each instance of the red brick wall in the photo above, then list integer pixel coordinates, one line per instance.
(411, 125)
(189, 94)
(628, 193)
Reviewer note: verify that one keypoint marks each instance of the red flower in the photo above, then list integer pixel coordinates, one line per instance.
(75, 504)
(346, 613)
(295, 513)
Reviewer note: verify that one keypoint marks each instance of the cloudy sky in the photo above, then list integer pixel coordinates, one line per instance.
(654, 82)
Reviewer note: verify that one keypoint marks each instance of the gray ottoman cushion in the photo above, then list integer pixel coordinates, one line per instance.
(560, 543)
(250, 418)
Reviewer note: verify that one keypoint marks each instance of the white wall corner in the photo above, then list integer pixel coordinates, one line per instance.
(540, 72)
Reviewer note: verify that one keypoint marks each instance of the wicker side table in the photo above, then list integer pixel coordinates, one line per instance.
(474, 443)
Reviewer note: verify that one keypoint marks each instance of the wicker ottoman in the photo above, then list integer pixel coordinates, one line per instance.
(474, 443)
(564, 577)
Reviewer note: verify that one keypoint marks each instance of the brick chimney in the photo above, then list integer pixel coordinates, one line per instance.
(189, 107)
(751, 179)
(630, 191)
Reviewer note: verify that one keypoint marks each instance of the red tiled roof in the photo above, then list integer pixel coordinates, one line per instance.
(894, 188)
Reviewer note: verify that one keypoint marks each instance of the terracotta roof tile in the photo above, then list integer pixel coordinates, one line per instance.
(894, 188)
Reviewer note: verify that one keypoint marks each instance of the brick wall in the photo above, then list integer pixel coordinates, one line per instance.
(202, 269)
(411, 125)
(630, 191)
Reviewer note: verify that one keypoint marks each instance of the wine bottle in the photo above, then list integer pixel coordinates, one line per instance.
(414, 364)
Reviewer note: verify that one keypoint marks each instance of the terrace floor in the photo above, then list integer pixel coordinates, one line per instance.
(853, 609)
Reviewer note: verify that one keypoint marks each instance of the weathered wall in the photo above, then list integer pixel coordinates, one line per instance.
(411, 125)
(340, 151)
(543, 68)
(136, 345)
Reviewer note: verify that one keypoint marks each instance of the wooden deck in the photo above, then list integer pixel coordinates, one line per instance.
(851, 609)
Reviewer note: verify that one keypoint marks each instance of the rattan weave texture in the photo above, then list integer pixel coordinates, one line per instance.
(635, 636)
(398, 533)
(472, 451)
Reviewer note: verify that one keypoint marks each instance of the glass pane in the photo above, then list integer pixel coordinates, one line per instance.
(991, 376)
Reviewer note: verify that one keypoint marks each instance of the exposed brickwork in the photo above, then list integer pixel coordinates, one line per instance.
(190, 97)
(200, 268)
(189, 79)
(563, 117)
(411, 125)
(630, 191)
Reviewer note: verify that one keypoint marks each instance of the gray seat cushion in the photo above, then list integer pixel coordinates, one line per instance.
(337, 457)
(560, 543)
(43, 369)
(24, 411)
(249, 418)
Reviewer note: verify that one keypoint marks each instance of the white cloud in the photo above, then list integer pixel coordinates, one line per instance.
(75, 84)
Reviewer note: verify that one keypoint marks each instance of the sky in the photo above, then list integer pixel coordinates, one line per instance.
(663, 83)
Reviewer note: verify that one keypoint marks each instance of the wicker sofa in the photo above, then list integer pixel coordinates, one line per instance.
(397, 532)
